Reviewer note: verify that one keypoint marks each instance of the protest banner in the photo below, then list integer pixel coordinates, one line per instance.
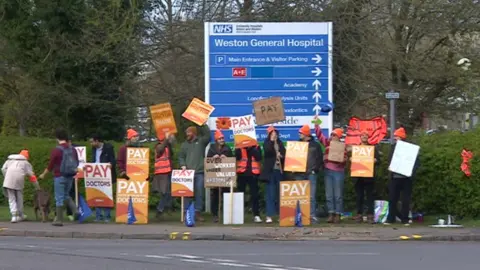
(198, 111)
(138, 160)
(404, 157)
(98, 184)
(82, 159)
(219, 172)
(162, 118)
(336, 151)
(269, 111)
(292, 192)
(244, 133)
(138, 191)
(296, 156)
(363, 161)
(182, 185)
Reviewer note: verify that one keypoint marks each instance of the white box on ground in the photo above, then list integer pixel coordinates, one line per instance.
(238, 205)
(404, 158)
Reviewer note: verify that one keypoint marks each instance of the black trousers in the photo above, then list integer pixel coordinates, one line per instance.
(396, 187)
(216, 193)
(252, 182)
(365, 186)
(72, 195)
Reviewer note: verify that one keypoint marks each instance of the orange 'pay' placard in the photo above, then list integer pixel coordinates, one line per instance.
(162, 118)
(138, 160)
(291, 194)
(198, 111)
(363, 159)
(138, 191)
(296, 157)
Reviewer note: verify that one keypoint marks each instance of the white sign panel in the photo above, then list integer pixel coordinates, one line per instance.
(404, 158)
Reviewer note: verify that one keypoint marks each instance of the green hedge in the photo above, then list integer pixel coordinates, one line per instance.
(440, 186)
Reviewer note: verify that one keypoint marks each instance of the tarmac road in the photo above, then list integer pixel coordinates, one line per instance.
(18, 253)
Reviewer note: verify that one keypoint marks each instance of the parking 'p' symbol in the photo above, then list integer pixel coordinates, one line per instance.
(220, 60)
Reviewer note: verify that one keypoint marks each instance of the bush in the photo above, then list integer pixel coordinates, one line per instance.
(439, 186)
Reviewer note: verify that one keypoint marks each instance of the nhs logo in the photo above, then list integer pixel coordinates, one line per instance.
(222, 28)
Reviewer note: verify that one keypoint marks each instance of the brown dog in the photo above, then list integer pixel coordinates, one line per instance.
(41, 203)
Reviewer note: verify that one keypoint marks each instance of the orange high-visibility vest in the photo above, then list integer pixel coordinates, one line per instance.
(242, 164)
(163, 163)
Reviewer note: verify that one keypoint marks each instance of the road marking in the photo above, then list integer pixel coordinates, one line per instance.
(184, 256)
(233, 264)
(302, 268)
(223, 260)
(266, 265)
(31, 246)
(156, 257)
(193, 261)
(125, 254)
(273, 268)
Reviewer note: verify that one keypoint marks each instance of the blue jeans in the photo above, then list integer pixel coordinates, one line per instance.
(312, 177)
(105, 210)
(334, 182)
(198, 193)
(61, 188)
(273, 193)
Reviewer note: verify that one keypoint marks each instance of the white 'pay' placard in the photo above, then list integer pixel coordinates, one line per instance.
(404, 158)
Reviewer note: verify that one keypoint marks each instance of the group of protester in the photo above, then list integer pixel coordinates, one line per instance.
(250, 172)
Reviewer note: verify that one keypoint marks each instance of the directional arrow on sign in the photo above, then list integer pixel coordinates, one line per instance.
(316, 109)
(317, 71)
(316, 84)
(317, 96)
(317, 58)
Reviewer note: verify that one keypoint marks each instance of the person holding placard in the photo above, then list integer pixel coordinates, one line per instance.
(248, 170)
(103, 152)
(365, 186)
(218, 150)
(272, 171)
(334, 172)
(314, 165)
(163, 170)
(132, 141)
(400, 184)
(191, 157)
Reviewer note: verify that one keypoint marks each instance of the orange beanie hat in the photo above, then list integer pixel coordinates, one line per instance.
(338, 132)
(400, 133)
(131, 133)
(218, 134)
(305, 130)
(161, 136)
(270, 129)
(25, 153)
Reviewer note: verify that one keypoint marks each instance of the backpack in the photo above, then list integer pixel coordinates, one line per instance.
(69, 165)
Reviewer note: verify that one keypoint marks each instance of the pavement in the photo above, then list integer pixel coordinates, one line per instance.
(22, 253)
(237, 233)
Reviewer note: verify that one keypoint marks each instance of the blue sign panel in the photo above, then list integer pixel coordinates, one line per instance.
(246, 62)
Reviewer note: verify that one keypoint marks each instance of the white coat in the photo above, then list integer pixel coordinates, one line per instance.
(15, 169)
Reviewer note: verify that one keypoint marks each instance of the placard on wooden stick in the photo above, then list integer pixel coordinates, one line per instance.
(219, 172)
(269, 111)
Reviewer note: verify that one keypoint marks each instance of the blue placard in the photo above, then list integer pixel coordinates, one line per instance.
(246, 62)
